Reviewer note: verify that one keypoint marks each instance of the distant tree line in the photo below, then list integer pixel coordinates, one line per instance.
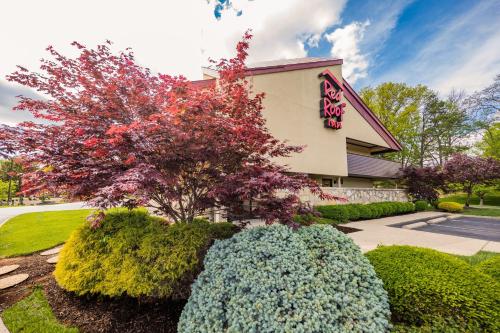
(432, 128)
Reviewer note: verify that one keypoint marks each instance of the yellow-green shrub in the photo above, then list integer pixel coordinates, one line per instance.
(491, 267)
(426, 287)
(135, 254)
(452, 207)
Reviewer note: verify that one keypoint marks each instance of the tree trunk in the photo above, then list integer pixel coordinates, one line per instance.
(481, 201)
(9, 195)
(467, 200)
(21, 197)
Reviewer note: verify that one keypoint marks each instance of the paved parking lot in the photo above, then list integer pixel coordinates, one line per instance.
(388, 231)
(468, 226)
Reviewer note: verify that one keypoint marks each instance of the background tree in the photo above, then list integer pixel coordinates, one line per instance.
(429, 128)
(485, 103)
(10, 177)
(468, 172)
(423, 183)
(397, 105)
(451, 124)
(489, 145)
(482, 190)
(121, 135)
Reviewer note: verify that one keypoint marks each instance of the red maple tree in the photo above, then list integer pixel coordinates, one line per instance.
(7, 138)
(121, 135)
(470, 171)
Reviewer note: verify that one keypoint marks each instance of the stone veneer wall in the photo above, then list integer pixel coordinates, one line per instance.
(358, 195)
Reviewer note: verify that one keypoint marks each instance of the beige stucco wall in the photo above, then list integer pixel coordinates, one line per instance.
(291, 108)
(357, 182)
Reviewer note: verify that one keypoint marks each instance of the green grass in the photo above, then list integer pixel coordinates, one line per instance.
(478, 257)
(481, 211)
(31, 232)
(492, 199)
(33, 315)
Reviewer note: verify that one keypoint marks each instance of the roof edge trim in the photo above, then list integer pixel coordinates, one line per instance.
(370, 117)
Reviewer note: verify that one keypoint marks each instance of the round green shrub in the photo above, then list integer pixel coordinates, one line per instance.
(135, 254)
(452, 207)
(491, 267)
(425, 285)
(275, 279)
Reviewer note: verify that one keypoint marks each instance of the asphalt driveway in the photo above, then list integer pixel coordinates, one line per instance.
(7, 213)
(467, 226)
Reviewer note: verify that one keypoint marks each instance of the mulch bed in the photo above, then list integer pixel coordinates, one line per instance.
(91, 314)
(346, 230)
(39, 273)
(94, 314)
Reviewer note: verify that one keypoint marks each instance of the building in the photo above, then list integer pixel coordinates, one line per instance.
(308, 102)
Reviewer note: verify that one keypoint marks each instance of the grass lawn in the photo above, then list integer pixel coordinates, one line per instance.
(31, 232)
(492, 199)
(33, 314)
(481, 211)
(478, 257)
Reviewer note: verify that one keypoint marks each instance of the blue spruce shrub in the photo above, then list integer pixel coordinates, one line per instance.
(275, 279)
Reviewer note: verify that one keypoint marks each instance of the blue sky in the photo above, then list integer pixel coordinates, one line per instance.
(424, 41)
(444, 44)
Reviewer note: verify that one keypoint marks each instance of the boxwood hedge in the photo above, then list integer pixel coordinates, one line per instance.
(427, 286)
(354, 212)
(135, 254)
(421, 205)
(275, 279)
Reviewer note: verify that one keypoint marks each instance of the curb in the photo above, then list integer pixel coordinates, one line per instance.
(3, 328)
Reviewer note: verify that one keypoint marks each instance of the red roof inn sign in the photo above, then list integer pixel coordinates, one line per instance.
(331, 107)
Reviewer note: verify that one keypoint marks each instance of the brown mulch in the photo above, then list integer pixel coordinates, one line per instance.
(124, 315)
(346, 230)
(39, 273)
(94, 314)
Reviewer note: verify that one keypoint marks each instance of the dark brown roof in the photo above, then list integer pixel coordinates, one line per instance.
(365, 166)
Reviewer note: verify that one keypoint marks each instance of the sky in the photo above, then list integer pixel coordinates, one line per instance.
(445, 44)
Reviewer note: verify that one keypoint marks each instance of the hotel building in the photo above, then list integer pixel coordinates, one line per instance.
(309, 103)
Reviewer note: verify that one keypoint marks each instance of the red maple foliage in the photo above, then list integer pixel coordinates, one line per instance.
(7, 137)
(423, 183)
(121, 135)
(469, 171)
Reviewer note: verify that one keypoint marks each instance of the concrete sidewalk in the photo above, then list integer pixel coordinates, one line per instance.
(9, 212)
(379, 232)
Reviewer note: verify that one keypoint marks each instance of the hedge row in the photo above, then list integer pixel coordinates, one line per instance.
(354, 212)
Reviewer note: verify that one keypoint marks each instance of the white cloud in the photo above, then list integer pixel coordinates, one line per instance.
(166, 36)
(463, 55)
(476, 72)
(345, 44)
(281, 28)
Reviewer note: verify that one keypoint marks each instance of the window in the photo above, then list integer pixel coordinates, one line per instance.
(327, 182)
